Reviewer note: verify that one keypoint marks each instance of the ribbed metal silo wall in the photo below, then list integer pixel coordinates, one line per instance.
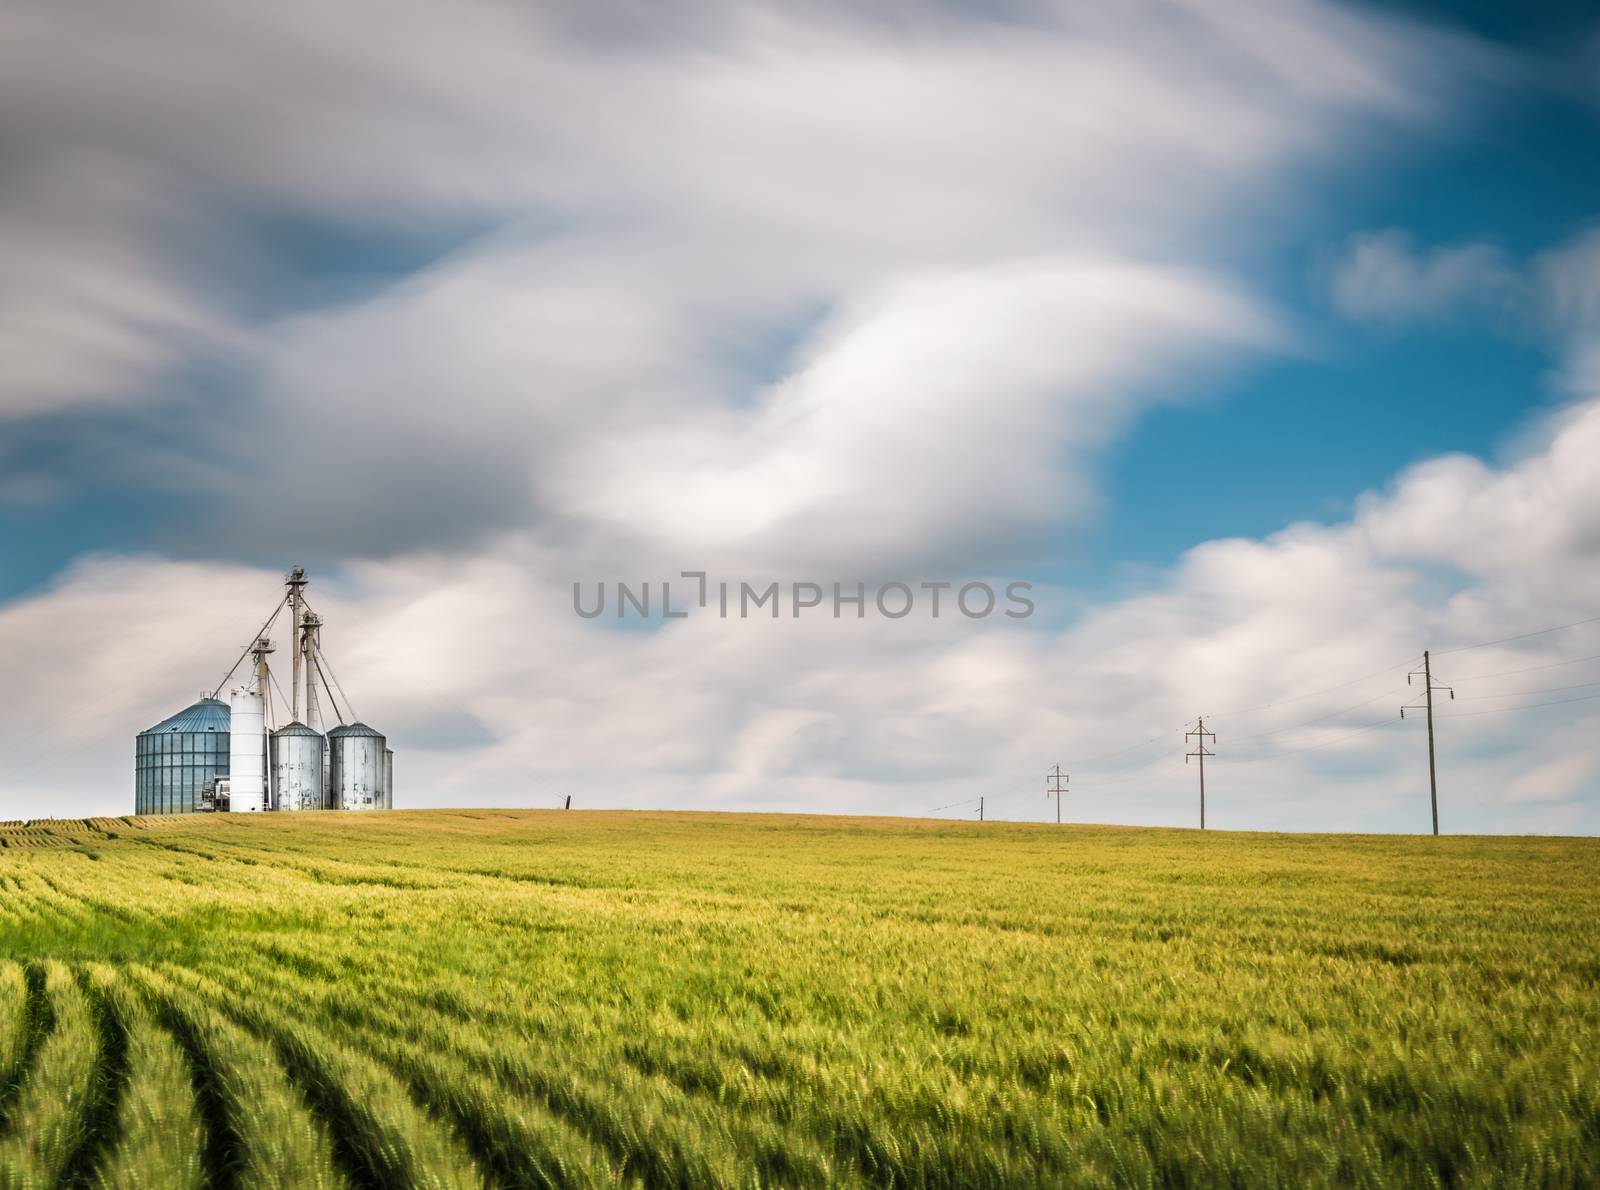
(357, 767)
(297, 767)
(174, 759)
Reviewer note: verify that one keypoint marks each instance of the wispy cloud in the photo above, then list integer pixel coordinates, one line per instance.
(1384, 277)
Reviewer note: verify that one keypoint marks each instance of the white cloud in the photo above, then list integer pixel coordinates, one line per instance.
(1382, 277)
(1565, 778)
(933, 419)
(902, 716)
(664, 205)
(1569, 280)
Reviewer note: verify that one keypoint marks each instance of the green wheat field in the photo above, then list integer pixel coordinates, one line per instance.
(518, 998)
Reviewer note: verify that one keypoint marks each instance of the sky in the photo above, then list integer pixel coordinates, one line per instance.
(1262, 340)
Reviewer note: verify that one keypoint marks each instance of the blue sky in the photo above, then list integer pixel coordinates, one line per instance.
(1521, 170)
(462, 315)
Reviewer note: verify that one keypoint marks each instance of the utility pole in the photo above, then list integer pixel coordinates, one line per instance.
(1199, 735)
(980, 807)
(1426, 674)
(1058, 785)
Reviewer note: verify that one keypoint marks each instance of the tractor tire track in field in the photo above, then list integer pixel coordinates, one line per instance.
(96, 905)
(36, 1023)
(499, 1141)
(222, 1146)
(589, 1113)
(502, 1142)
(107, 1080)
(262, 1129)
(636, 1156)
(587, 1109)
(361, 1159)
(49, 909)
(374, 1150)
(59, 1098)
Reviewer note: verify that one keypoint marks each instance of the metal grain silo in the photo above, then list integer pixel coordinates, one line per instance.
(297, 779)
(247, 776)
(355, 755)
(174, 759)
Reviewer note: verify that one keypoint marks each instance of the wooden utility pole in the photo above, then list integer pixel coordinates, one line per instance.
(1426, 674)
(1057, 786)
(980, 808)
(1199, 734)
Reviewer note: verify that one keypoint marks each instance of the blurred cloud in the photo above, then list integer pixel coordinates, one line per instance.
(1384, 278)
(1295, 647)
(655, 200)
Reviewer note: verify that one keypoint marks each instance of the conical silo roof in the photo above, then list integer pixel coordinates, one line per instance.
(353, 729)
(209, 714)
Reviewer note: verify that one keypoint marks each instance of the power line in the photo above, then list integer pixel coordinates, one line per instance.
(1014, 791)
(1319, 718)
(1521, 636)
(1156, 738)
(1202, 735)
(1528, 669)
(1557, 702)
(1313, 693)
(1326, 744)
(1525, 693)
(1118, 778)
(1356, 681)
(1130, 748)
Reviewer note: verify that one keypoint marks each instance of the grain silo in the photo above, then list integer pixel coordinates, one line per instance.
(356, 767)
(297, 780)
(174, 759)
(227, 755)
(247, 765)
